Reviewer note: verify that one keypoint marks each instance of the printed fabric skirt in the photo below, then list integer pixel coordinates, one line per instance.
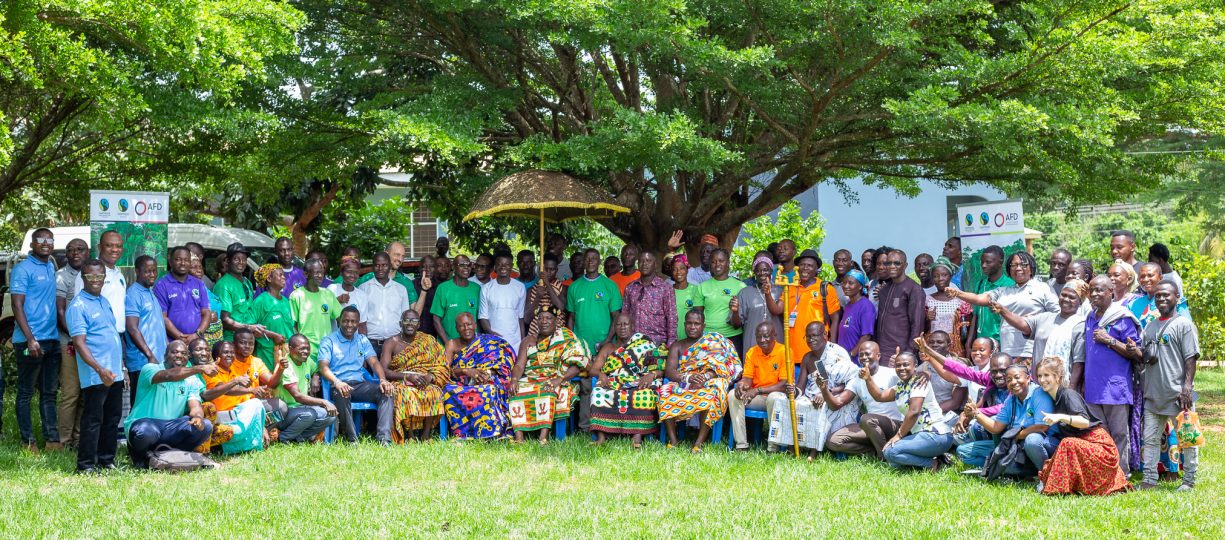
(221, 432)
(627, 410)
(476, 412)
(676, 402)
(536, 407)
(1085, 465)
(412, 406)
(813, 424)
(248, 423)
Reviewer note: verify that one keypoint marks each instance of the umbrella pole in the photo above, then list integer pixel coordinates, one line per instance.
(540, 264)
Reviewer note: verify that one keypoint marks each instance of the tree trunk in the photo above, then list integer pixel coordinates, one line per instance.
(297, 230)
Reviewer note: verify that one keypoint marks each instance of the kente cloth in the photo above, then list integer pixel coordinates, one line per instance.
(479, 411)
(624, 408)
(535, 405)
(711, 353)
(413, 403)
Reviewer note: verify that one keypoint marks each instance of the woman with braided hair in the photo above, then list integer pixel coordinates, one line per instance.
(272, 311)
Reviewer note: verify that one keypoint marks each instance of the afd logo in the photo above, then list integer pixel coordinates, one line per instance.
(123, 205)
(1001, 218)
(104, 204)
(143, 207)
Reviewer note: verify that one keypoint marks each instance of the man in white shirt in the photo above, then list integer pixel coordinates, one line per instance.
(386, 301)
(852, 439)
(501, 307)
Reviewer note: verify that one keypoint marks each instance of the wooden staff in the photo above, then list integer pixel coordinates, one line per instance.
(782, 280)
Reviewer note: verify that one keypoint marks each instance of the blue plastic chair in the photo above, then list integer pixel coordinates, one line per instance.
(359, 406)
(754, 430)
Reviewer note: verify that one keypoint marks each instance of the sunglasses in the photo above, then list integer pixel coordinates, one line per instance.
(94, 277)
(45, 241)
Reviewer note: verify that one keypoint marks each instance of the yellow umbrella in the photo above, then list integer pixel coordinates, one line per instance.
(545, 195)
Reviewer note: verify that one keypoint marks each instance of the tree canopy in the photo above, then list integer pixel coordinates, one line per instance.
(89, 88)
(704, 114)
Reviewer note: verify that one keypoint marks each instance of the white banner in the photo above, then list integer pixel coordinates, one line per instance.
(129, 206)
(1000, 223)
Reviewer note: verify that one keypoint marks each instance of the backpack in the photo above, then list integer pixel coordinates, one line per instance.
(167, 458)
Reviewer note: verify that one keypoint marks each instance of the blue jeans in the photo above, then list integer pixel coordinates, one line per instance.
(303, 423)
(974, 445)
(917, 450)
(1037, 447)
(42, 373)
(147, 434)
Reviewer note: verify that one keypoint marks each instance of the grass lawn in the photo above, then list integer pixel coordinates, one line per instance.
(569, 489)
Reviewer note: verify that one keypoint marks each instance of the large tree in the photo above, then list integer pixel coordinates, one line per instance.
(703, 114)
(89, 89)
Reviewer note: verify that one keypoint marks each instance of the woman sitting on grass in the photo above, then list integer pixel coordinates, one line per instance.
(624, 400)
(231, 391)
(1086, 461)
(922, 438)
(699, 369)
(1021, 418)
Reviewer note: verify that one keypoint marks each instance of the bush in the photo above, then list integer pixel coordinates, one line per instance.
(808, 233)
(1204, 288)
(370, 229)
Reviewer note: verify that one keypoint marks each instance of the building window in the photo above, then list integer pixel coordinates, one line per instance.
(423, 233)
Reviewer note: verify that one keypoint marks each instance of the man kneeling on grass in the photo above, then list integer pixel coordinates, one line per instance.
(306, 417)
(164, 393)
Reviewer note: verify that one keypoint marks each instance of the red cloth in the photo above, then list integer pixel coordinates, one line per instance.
(1086, 465)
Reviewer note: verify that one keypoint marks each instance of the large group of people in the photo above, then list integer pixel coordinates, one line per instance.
(1073, 379)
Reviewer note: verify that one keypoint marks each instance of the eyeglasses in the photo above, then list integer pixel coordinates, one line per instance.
(1018, 265)
(45, 241)
(892, 263)
(411, 321)
(94, 277)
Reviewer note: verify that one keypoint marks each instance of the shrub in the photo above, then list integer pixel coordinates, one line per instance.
(808, 233)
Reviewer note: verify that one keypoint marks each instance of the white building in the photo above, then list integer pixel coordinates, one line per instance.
(881, 216)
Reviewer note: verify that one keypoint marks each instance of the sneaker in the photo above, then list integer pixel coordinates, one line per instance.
(1144, 486)
(31, 447)
(974, 472)
(1184, 488)
(1039, 486)
(53, 446)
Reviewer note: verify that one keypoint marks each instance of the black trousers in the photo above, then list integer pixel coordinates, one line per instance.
(103, 405)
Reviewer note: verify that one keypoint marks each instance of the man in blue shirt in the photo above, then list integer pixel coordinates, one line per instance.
(146, 326)
(91, 324)
(166, 393)
(36, 340)
(341, 357)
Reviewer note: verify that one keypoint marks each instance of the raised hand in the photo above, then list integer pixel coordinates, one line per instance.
(674, 241)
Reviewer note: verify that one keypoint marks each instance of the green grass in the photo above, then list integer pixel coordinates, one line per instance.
(572, 490)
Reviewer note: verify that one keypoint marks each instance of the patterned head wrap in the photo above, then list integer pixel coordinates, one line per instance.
(265, 272)
(680, 259)
(947, 264)
(858, 276)
(1081, 288)
(763, 259)
(710, 239)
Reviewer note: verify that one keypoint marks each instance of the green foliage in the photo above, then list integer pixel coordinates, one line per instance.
(1203, 280)
(1089, 237)
(806, 232)
(88, 90)
(369, 228)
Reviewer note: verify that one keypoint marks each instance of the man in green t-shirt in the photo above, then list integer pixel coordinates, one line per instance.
(454, 296)
(593, 301)
(717, 294)
(314, 308)
(168, 406)
(306, 416)
(235, 292)
(986, 322)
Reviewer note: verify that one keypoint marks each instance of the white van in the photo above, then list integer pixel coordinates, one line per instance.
(213, 238)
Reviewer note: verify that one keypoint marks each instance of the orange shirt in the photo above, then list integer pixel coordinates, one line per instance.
(806, 308)
(250, 366)
(623, 280)
(765, 369)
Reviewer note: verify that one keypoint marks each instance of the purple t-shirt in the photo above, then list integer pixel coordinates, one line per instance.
(182, 301)
(858, 319)
(293, 279)
(1107, 373)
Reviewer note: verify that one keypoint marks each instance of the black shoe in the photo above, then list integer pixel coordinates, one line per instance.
(109, 467)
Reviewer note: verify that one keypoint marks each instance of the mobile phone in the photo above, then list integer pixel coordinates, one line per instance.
(821, 369)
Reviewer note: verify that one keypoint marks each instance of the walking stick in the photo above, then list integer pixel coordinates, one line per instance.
(786, 283)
